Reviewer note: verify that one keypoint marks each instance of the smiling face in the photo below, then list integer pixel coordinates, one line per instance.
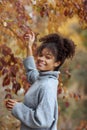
(46, 60)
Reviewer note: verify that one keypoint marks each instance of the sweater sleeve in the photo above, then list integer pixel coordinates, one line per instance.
(42, 116)
(31, 71)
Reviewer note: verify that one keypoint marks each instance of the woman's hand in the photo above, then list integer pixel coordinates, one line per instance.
(10, 103)
(29, 38)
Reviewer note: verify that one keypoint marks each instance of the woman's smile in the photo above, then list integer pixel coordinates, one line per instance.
(40, 63)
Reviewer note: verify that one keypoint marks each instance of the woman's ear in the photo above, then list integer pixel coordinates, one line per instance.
(56, 64)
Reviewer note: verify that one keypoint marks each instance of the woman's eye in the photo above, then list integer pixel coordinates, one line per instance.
(48, 57)
(40, 55)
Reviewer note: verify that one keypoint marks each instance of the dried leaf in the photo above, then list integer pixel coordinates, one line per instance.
(16, 86)
(6, 81)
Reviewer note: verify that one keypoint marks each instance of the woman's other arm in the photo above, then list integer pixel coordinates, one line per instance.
(42, 116)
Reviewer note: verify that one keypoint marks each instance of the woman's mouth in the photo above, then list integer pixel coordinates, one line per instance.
(41, 64)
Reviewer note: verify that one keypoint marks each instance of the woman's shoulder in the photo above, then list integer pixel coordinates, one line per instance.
(49, 84)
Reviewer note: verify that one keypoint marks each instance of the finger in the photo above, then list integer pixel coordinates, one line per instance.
(33, 34)
(11, 100)
(10, 109)
(27, 37)
(27, 34)
(9, 104)
(30, 37)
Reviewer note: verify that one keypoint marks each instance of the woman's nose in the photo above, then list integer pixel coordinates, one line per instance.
(42, 58)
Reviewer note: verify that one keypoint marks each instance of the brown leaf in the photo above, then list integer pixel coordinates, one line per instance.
(6, 50)
(59, 90)
(8, 96)
(6, 81)
(4, 71)
(1, 67)
(2, 61)
(13, 70)
(8, 90)
(16, 86)
(67, 104)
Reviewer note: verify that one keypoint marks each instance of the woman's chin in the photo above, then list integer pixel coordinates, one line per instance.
(40, 68)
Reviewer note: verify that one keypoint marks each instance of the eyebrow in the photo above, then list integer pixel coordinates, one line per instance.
(49, 54)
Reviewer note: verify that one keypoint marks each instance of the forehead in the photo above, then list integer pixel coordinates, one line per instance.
(46, 51)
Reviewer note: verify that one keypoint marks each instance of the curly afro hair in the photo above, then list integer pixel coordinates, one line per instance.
(61, 47)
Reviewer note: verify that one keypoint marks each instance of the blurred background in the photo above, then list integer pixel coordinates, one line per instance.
(69, 18)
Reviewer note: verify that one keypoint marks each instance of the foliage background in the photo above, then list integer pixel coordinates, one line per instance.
(47, 16)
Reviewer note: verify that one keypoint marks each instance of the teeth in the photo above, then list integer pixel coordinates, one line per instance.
(41, 63)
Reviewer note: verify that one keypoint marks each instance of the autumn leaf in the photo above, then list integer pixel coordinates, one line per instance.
(8, 96)
(5, 50)
(16, 86)
(13, 70)
(6, 81)
(59, 90)
(67, 104)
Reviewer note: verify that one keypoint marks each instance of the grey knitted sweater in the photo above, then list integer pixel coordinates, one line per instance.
(39, 111)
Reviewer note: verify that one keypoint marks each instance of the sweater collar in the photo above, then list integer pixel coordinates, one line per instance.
(49, 74)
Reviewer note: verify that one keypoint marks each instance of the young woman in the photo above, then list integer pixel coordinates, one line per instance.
(39, 111)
